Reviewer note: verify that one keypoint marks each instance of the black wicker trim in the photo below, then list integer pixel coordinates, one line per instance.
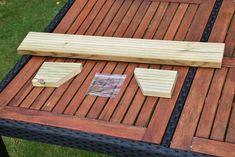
(24, 59)
(188, 81)
(87, 141)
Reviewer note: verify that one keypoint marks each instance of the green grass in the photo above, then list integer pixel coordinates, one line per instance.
(17, 18)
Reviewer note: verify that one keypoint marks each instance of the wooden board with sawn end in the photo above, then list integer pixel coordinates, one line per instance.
(54, 74)
(167, 52)
(155, 82)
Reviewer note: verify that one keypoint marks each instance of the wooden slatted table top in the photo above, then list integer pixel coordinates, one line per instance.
(208, 112)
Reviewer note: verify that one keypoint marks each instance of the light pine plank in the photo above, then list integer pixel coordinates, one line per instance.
(54, 74)
(123, 49)
(155, 82)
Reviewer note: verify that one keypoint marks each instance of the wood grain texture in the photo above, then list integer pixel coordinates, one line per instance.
(54, 74)
(123, 49)
(200, 94)
(212, 147)
(154, 82)
(75, 123)
(221, 120)
(180, 1)
(228, 62)
(211, 102)
(231, 127)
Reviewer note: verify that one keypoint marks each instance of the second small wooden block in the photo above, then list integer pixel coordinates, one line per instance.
(155, 82)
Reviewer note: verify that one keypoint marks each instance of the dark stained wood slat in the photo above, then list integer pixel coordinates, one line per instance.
(180, 1)
(230, 39)
(156, 20)
(74, 123)
(82, 16)
(109, 18)
(146, 19)
(228, 62)
(24, 91)
(112, 103)
(175, 23)
(213, 147)
(166, 21)
(231, 127)
(186, 22)
(219, 32)
(136, 105)
(126, 100)
(194, 103)
(202, 16)
(91, 16)
(210, 104)
(30, 98)
(136, 20)
(223, 21)
(19, 81)
(70, 16)
(224, 108)
(147, 108)
(128, 17)
(163, 111)
(191, 112)
(100, 16)
(81, 93)
(118, 18)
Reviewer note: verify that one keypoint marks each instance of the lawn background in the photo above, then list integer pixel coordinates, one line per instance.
(17, 18)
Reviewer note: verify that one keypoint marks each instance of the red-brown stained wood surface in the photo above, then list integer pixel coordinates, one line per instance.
(130, 114)
(74, 123)
(231, 127)
(180, 1)
(212, 147)
(209, 109)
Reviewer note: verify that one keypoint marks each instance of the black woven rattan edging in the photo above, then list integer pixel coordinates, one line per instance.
(87, 141)
(24, 59)
(188, 81)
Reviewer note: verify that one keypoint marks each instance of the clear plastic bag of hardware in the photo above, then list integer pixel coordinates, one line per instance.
(106, 85)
